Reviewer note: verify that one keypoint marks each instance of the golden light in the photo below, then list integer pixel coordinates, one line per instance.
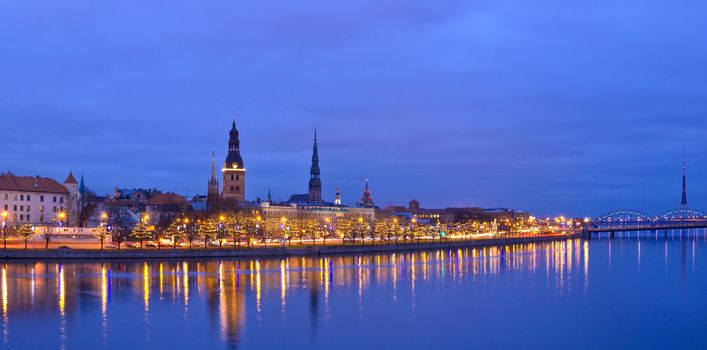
(186, 220)
(360, 219)
(62, 215)
(4, 215)
(586, 220)
(283, 219)
(104, 216)
(326, 219)
(395, 220)
(414, 220)
(221, 218)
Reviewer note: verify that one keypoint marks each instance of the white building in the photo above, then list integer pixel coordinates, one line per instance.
(38, 200)
(322, 211)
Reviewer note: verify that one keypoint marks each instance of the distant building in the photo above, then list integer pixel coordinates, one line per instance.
(366, 200)
(162, 209)
(233, 170)
(450, 215)
(38, 200)
(314, 195)
(232, 195)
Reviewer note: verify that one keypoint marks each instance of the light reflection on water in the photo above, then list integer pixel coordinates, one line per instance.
(490, 297)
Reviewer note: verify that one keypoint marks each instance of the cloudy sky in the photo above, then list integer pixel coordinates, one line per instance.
(557, 107)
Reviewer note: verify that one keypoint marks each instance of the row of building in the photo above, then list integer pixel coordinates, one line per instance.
(44, 201)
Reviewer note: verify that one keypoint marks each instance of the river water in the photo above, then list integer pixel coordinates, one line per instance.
(623, 294)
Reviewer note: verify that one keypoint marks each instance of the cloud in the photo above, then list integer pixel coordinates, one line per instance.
(573, 107)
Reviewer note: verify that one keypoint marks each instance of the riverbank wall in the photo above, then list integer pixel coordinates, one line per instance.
(264, 252)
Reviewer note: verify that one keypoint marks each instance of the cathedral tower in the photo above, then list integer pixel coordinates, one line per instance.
(315, 183)
(233, 170)
(212, 198)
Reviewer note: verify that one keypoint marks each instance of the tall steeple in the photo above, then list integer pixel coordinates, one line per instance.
(683, 201)
(315, 183)
(212, 193)
(233, 170)
(366, 199)
(269, 196)
(337, 201)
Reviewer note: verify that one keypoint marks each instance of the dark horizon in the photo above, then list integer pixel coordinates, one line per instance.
(454, 104)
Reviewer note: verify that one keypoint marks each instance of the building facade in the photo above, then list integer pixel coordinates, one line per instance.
(38, 200)
(233, 170)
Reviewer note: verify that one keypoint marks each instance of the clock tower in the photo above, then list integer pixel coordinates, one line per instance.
(233, 170)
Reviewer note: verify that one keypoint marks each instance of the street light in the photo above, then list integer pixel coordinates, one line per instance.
(62, 215)
(104, 218)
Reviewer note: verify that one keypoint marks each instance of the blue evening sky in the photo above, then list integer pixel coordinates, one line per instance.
(557, 107)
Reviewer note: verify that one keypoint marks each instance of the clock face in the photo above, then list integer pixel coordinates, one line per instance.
(235, 165)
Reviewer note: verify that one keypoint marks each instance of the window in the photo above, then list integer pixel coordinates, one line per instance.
(22, 208)
(14, 207)
(61, 199)
(231, 188)
(41, 209)
(237, 177)
(28, 198)
(22, 217)
(41, 198)
(14, 197)
(238, 188)
(231, 177)
(41, 218)
(28, 208)
(54, 199)
(28, 217)
(22, 197)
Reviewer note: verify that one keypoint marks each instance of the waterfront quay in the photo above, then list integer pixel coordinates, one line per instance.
(86, 251)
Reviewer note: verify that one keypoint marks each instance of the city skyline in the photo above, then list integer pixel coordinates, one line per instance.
(454, 104)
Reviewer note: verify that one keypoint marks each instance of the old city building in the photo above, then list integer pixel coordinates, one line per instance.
(39, 200)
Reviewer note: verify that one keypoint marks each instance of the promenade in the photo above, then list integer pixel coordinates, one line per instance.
(270, 251)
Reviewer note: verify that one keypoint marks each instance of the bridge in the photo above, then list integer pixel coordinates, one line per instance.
(628, 220)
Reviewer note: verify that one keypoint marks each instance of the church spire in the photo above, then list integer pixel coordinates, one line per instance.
(212, 196)
(315, 183)
(213, 166)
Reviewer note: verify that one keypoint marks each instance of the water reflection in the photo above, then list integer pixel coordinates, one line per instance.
(224, 292)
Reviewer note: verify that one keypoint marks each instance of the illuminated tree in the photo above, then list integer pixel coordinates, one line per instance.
(190, 231)
(347, 227)
(25, 232)
(381, 228)
(141, 232)
(207, 231)
(101, 233)
(310, 228)
(174, 231)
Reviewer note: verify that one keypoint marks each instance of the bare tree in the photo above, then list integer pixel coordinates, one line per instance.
(47, 233)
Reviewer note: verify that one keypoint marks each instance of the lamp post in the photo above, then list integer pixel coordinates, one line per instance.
(221, 219)
(257, 228)
(4, 232)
